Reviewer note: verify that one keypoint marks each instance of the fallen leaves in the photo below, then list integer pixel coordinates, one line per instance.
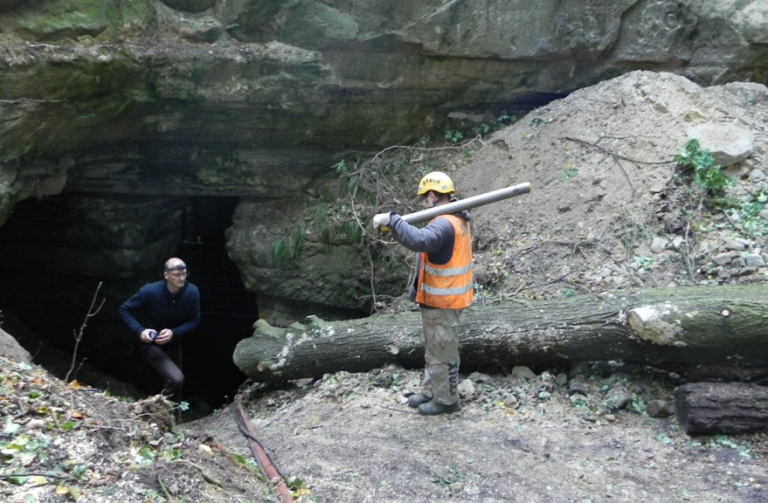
(64, 440)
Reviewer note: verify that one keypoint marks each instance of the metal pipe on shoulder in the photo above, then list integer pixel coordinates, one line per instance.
(470, 202)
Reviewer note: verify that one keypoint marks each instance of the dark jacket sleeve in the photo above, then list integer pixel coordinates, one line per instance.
(428, 239)
(128, 309)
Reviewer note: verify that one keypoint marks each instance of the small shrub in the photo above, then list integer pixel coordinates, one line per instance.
(505, 120)
(481, 130)
(746, 211)
(285, 251)
(453, 136)
(568, 174)
(707, 174)
(643, 263)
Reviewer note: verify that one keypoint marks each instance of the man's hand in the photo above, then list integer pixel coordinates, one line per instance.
(146, 335)
(164, 336)
(381, 221)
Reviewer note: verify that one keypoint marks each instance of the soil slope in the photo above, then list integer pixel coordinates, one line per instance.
(605, 187)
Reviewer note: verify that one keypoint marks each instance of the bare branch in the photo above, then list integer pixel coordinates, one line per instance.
(79, 334)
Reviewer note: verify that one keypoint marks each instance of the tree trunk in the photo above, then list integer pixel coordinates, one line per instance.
(722, 408)
(673, 326)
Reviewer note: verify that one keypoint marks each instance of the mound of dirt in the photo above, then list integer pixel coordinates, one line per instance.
(605, 189)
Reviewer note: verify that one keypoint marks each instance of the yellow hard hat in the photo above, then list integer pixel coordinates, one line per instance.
(437, 181)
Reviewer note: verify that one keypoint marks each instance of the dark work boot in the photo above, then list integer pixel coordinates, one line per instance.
(418, 399)
(433, 408)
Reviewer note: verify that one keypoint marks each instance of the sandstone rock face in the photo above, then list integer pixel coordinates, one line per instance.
(257, 99)
(337, 275)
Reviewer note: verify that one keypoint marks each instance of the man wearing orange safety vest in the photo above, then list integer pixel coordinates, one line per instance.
(442, 287)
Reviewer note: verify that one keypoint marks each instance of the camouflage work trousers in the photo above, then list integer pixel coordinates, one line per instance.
(441, 354)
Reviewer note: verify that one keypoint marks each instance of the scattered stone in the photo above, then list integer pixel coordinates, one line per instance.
(510, 400)
(36, 424)
(728, 144)
(659, 408)
(746, 271)
(659, 244)
(707, 246)
(694, 115)
(467, 388)
(752, 260)
(724, 258)
(616, 399)
(479, 377)
(546, 382)
(735, 244)
(523, 371)
(757, 176)
(579, 386)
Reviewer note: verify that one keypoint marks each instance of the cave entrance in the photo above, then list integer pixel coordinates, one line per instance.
(228, 310)
(54, 251)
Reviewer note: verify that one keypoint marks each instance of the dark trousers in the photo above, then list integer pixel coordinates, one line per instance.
(167, 363)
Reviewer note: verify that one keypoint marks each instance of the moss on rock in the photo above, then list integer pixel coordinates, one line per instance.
(64, 19)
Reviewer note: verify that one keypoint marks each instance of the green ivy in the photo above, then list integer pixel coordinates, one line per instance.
(453, 136)
(706, 172)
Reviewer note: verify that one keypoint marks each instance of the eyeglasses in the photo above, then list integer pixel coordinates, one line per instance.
(180, 270)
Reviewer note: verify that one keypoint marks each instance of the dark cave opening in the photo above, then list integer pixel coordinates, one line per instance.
(45, 288)
(228, 310)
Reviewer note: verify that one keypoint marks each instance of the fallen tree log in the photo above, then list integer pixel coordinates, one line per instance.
(730, 408)
(673, 326)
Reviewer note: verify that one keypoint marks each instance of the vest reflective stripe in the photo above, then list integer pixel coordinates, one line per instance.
(449, 286)
(447, 272)
(446, 291)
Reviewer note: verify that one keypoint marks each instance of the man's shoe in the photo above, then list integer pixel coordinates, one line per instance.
(418, 399)
(433, 408)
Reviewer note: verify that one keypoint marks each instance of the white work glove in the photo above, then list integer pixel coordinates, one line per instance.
(381, 220)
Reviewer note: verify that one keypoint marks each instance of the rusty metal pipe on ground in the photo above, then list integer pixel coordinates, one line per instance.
(470, 202)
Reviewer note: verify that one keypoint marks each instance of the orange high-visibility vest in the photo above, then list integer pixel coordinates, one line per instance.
(449, 286)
